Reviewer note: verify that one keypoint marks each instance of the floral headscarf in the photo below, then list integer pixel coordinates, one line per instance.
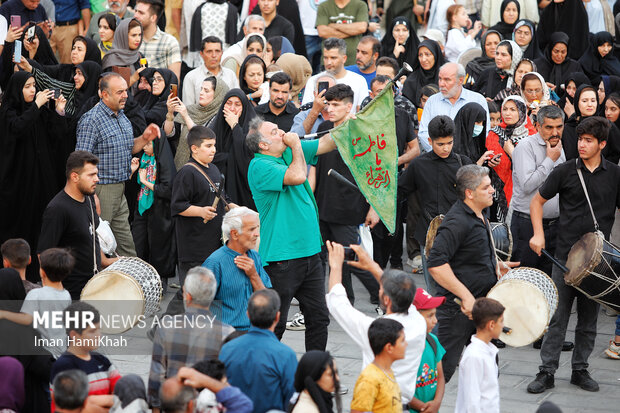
(519, 130)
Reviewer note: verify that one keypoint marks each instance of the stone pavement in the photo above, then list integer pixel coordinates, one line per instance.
(518, 366)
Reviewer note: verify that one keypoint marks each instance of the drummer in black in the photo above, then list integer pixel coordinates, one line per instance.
(602, 181)
(463, 262)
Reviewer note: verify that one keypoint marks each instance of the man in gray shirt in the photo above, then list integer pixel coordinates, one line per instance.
(532, 162)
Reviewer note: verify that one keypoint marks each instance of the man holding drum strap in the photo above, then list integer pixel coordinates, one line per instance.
(602, 181)
(463, 261)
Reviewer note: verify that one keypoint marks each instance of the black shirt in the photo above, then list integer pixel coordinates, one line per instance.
(463, 242)
(434, 179)
(67, 223)
(195, 239)
(337, 203)
(405, 131)
(575, 217)
(280, 26)
(284, 120)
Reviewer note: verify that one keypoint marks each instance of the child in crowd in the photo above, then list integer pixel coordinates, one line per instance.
(83, 338)
(16, 257)
(494, 115)
(478, 371)
(376, 389)
(56, 265)
(431, 383)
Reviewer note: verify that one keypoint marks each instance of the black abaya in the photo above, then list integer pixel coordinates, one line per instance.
(412, 89)
(505, 29)
(549, 70)
(594, 66)
(388, 42)
(569, 17)
(154, 107)
(464, 142)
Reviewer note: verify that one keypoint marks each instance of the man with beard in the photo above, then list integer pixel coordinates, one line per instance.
(453, 97)
(334, 58)
(118, 8)
(279, 110)
(366, 56)
(70, 221)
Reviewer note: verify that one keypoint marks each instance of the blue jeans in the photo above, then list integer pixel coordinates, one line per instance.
(313, 50)
(618, 326)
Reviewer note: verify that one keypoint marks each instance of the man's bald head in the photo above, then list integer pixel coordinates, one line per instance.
(175, 396)
(263, 308)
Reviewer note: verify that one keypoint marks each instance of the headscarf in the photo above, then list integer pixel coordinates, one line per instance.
(146, 196)
(146, 98)
(519, 130)
(594, 65)
(552, 72)
(465, 143)
(309, 370)
(546, 94)
(412, 88)
(129, 388)
(279, 45)
(504, 28)
(12, 386)
(93, 53)
(200, 116)
(120, 54)
(13, 97)
(45, 54)
(569, 17)
(478, 64)
(411, 44)
(240, 55)
(516, 54)
(583, 88)
(298, 68)
(579, 79)
(610, 84)
(532, 50)
(91, 72)
(242, 83)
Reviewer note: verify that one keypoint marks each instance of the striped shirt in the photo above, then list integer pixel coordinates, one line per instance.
(109, 136)
(161, 50)
(233, 286)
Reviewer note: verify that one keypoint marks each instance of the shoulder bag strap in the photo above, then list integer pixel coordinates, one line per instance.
(585, 191)
(227, 206)
(94, 232)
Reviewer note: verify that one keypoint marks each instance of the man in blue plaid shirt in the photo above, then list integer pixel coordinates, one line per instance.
(106, 132)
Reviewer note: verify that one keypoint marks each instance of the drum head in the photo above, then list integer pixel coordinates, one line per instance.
(583, 257)
(527, 311)
(106, 289)
(433, 226)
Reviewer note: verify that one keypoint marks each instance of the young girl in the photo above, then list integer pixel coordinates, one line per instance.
(494, 114)
(457, 40)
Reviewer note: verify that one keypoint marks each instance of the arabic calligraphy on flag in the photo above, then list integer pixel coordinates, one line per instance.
(368, 146)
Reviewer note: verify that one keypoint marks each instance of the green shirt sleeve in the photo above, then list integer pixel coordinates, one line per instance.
(268, 175)
(322, 18)
(361, 13)
(310, 148)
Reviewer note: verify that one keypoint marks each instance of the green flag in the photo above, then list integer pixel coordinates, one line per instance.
(368, 147)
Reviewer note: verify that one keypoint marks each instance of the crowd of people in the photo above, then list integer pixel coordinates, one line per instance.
(194, 135)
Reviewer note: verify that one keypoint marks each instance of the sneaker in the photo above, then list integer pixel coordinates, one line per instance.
(543, 381)
(583, 379)
(379, 311)
(174, 285)
(298, 323)
(613, 351)
(294, 302)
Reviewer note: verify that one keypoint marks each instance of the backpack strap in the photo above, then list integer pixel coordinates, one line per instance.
(431, 342)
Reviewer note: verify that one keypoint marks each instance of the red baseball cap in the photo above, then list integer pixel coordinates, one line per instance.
(425, 301)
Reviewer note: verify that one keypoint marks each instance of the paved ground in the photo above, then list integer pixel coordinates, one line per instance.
(517, 366)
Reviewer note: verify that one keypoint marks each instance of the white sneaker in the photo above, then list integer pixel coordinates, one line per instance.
(613, 351)
(298, 323)
(415, 263)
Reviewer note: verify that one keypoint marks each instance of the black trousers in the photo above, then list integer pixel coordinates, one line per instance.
(521, 229)
(347, 235)
(304, 279)
(454, 332)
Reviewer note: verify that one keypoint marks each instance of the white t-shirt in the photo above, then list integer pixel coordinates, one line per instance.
(3, 29)
(47, 299)
(307, 13)
(478, 384)
(457, 43)
(355, 81)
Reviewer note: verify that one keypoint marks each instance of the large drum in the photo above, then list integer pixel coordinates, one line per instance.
(530, 298)
(594, 269)
(128, 288)
(502, 237)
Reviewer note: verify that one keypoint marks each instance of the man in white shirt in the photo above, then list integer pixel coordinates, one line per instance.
(396, 294)
(334, 58)
(160, 49)
(451, 98)
(211, 55)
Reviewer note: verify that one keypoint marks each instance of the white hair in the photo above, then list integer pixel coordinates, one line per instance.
(201, 285)
(252, 17)
(460, 70)
(234, 220)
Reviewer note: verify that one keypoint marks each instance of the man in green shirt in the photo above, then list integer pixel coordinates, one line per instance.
(343, 19)
(290, 236)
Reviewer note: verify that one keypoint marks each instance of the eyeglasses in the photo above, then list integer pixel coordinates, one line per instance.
(157, 79)
(533, 91)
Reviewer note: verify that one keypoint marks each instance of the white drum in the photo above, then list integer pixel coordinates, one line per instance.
(129, 287)
(531, 298)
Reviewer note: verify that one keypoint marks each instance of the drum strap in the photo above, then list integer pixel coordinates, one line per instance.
(585, 191)
(94, 231)
(497, 260)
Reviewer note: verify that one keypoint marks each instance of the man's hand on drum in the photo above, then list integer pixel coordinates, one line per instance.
(467, 304)
(505, 266)
(208, 213)
(537, 243)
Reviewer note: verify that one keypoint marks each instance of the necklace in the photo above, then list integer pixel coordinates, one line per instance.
(385, 372)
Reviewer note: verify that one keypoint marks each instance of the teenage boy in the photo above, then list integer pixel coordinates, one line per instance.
(341, 209)
(376, 389)
(478, 371)
(437, 195)
(56, 264)
(197, 216)
(16, 257)
(602, 181)
(81, 354)
(430, 384)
